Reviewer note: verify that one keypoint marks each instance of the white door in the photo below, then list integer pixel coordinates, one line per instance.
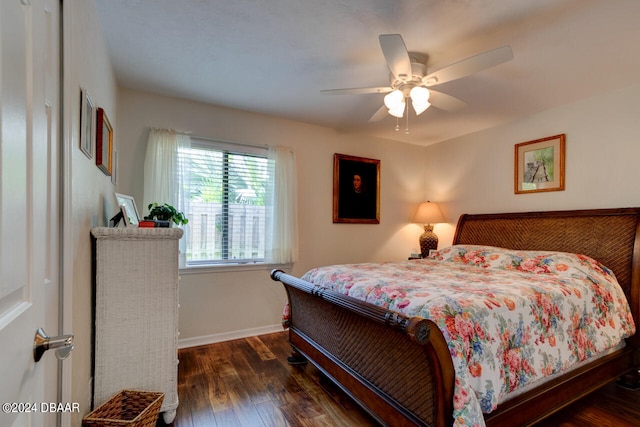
(29, 200)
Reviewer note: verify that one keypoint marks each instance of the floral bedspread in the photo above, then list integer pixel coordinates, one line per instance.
(510, 317)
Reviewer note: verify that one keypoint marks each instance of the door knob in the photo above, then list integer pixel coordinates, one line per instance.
(62, 343)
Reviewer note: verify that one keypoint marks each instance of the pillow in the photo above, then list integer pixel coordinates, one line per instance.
(535, 262)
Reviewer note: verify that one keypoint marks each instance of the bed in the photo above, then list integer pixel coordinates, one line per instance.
(400, 368)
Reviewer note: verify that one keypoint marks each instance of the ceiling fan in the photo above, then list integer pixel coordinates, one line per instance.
(409, 78)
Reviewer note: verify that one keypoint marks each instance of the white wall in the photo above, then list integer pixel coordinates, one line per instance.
(219, 305)
(471, 174)
(475, 173)
(89, 193)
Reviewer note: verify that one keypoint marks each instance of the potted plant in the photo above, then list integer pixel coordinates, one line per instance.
(165, 212)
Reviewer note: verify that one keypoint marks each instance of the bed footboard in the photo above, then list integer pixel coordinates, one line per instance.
(397, 368)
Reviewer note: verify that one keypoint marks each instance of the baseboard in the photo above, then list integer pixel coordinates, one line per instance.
(228, 336)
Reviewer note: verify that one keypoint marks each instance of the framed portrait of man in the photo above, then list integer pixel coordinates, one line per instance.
(356, 190)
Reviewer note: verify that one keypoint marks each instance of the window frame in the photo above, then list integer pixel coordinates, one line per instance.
(224, 265)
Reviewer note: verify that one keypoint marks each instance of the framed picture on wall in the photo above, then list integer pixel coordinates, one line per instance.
(539, 165)
(356, 190)
(114, 163)
(87, 123)
(104, 142)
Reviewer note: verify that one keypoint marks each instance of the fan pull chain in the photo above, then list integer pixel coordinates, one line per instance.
(397, 124)
(406, 131)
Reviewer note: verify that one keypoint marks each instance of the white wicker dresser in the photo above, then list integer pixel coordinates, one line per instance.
(136, 313)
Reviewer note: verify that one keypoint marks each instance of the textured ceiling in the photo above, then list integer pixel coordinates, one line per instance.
(274, 57)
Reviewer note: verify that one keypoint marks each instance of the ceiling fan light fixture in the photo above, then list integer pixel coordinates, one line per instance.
(394, 99)
(420, 107)
(398, 110)
(420, 99)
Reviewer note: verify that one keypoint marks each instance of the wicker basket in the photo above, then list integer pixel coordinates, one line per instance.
(128, 408)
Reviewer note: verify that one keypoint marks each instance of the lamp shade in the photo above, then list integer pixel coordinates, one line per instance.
(397, 111)
(428, 213)
(394, 101)
(419, 99)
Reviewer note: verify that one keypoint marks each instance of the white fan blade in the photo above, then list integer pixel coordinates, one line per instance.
(380, 114)
(396, 54)
(468, 66)
(445, 102)
(357, 90)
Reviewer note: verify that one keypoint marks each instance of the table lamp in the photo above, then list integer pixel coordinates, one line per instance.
(428, 213)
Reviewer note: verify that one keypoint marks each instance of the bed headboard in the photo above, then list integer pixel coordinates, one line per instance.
(610, 236)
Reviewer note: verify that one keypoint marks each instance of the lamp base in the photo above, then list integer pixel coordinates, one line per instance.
(428, 241)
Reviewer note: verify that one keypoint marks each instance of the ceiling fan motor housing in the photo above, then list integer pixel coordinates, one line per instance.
(418, 71)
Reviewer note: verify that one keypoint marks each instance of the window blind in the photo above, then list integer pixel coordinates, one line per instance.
(226, 186)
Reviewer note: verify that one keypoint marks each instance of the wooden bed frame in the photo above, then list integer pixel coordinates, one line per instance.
(399, 369)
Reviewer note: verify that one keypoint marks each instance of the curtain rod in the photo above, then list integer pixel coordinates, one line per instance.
(187, 132)
(181, 132)
(244, 144)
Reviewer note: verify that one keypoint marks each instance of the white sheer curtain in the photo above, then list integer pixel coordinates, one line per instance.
(164, 174)
(282, 208)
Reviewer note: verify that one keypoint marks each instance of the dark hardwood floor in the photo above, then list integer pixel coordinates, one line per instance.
(248, 382)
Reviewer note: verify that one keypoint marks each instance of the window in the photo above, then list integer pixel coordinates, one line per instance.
(225, 187)
(240, 200)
